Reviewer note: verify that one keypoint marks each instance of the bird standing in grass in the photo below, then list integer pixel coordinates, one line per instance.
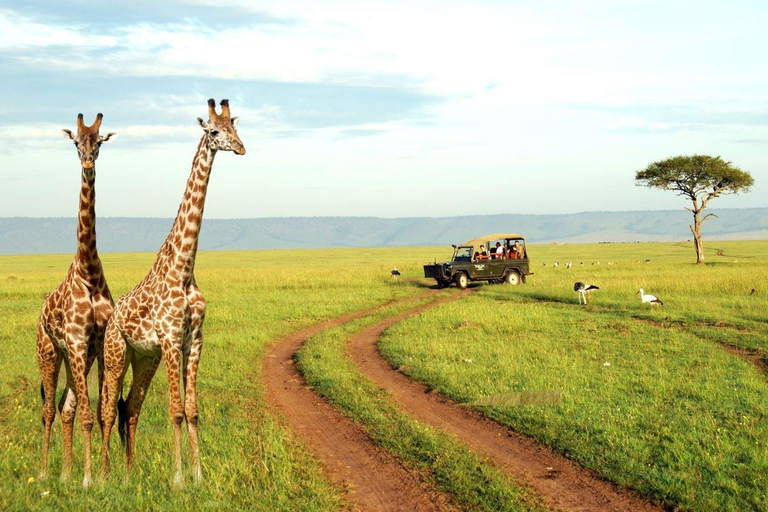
(584, 289)
(395, 273)
(651, 299)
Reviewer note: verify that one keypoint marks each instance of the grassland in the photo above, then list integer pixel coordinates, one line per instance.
(674, 415)
(249, 460)
(650, 399)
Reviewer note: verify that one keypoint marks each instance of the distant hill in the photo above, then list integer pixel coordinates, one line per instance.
(25, 235)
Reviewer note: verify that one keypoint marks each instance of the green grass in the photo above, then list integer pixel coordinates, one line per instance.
(249, 459)
(674, 416)
(326, 365)
(651, 400)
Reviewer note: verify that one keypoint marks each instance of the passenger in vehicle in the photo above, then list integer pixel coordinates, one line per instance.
(518, 250)
(481, 255)
(499, 252)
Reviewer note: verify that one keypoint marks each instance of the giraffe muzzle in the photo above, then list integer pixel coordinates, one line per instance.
(239, 150)
(87, 164)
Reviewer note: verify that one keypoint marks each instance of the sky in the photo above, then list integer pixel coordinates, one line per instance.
(387, 109)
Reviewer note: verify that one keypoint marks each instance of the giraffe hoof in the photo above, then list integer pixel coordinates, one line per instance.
(178, 481)
(86, 482)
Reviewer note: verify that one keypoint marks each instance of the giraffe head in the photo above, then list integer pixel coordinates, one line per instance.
(220, 128)
(87, 141)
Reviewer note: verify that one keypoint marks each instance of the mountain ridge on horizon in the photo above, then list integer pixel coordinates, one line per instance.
(146, 234)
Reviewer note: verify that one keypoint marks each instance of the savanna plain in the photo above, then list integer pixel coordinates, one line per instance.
(671, 402)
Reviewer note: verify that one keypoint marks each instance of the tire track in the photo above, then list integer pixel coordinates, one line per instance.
(373, 478)
(561, 482)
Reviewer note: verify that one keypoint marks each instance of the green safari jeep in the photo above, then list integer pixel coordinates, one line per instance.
(502, 257)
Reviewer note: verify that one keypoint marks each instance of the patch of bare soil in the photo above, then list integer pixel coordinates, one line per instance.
(561, 482)
(373, 478)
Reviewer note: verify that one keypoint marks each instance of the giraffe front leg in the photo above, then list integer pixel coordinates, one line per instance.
(78, 362)
(115, 366)
(49, 361)
(191, 361)
(172, 358)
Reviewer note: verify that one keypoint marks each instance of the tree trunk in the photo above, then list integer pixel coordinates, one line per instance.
(696, 230)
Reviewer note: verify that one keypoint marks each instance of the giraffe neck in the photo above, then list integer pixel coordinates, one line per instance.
(186, 227)
(87, 258)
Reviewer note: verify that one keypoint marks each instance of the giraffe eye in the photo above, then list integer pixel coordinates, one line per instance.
(214, 133)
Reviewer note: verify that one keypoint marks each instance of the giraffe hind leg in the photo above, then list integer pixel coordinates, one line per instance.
(144, 369)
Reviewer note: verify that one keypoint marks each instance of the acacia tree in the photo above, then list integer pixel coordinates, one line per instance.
(700, 178)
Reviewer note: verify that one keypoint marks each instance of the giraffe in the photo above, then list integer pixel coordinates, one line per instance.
(74, 316)
(161, 318)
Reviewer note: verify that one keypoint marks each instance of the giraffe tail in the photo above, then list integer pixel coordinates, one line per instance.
(122, 418)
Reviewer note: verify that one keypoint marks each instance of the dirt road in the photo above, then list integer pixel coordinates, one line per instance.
(374, 479)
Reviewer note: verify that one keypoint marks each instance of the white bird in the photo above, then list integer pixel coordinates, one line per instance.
(395, 273)
(556, 264)
(584, 289)
(569, 264)
(651, 299)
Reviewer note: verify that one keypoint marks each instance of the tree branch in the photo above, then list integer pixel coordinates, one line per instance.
(708, 216)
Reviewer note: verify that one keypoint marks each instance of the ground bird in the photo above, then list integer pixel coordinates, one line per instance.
(651, 299)
(74, 317)
(569, 264)
(395, 273)
(583, 289)
(556, 264)
(753, 292)
(161, 318)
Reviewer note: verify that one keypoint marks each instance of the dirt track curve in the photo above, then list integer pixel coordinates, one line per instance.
(374, 480)
(562, 483)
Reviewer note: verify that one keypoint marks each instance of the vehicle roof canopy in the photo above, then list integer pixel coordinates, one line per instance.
(487, 238)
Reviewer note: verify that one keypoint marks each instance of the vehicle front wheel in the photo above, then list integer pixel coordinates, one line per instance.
(443, 284)
(513, 278)
(462, 281)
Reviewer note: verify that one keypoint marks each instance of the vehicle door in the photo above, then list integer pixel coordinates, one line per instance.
(496, 263)
(480, 269)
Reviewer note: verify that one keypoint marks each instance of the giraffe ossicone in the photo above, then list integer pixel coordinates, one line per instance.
(161, 318)
(74, 317)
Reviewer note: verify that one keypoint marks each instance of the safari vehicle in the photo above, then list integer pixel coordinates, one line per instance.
(468, 263)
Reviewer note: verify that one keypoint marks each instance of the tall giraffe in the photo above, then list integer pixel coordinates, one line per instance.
(74, 317)
(161, 318)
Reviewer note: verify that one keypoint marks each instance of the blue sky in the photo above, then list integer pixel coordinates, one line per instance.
(390, 109)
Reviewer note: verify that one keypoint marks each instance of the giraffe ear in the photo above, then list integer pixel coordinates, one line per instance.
(108, 137)
(67, 134)
(235, 120)
(203, 124)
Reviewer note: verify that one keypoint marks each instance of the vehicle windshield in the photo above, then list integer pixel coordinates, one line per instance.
(463, 254)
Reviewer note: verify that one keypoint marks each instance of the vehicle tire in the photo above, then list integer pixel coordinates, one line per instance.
(512, 278)
(461, 280)
(443, 284)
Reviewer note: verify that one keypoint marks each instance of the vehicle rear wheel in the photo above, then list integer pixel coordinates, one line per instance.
(513, 278)
(461, 280)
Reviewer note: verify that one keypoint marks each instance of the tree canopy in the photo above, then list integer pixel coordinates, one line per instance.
(700, 178)
(696, 176)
